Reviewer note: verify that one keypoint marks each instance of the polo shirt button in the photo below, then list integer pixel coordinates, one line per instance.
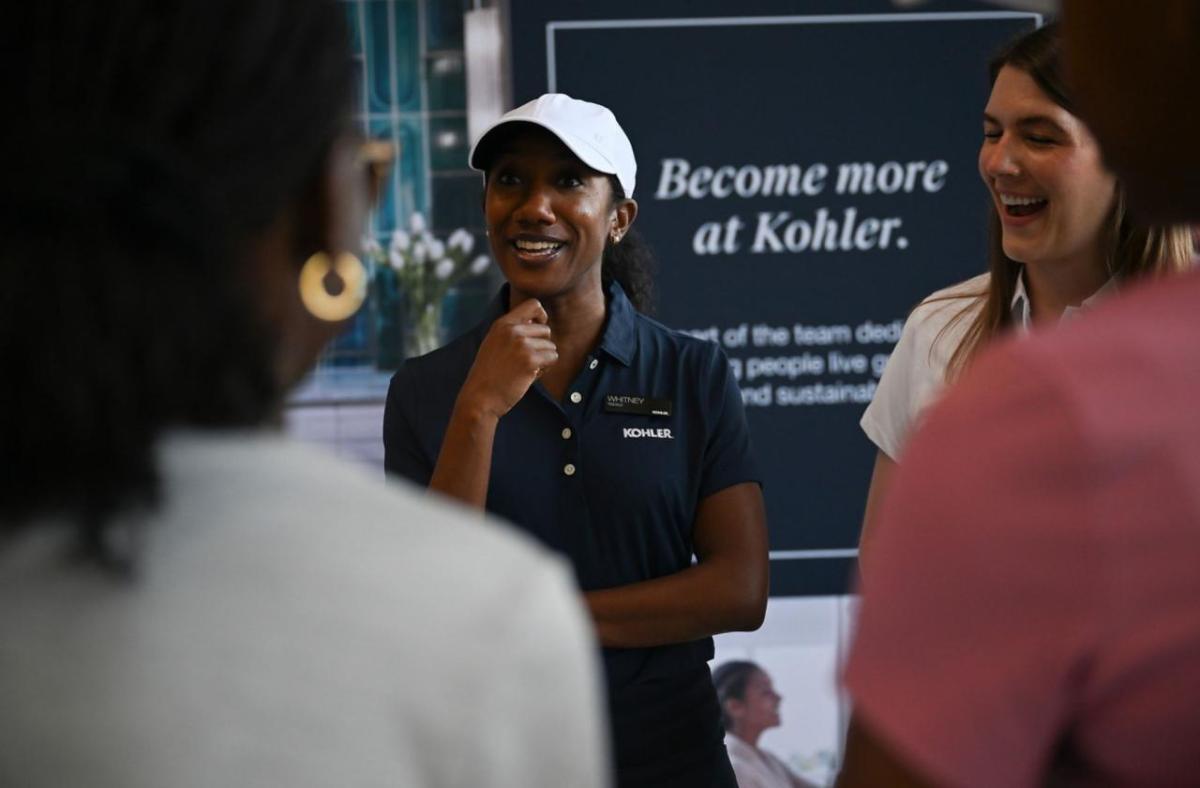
(576, 397)
(569, 469)
(566, 433)
(595, 363)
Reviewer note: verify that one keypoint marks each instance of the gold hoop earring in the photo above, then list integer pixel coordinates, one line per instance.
(316, 297)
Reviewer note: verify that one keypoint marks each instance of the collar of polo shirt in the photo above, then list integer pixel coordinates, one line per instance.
(1022, 309)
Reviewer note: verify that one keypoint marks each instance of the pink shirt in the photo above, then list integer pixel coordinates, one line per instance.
(1036, 578)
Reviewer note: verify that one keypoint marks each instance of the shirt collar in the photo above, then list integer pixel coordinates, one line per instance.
(737, 747)
(619, 339)
(1022, 312)
(496, 310)
(1022, 309)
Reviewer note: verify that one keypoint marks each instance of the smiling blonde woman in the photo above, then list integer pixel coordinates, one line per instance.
(1060, 240)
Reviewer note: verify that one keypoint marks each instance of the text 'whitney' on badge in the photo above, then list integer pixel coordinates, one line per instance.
(636, 405)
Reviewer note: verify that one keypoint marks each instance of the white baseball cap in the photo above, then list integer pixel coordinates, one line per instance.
(589, 130)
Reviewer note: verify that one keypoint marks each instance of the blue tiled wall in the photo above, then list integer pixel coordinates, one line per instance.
(413, 93)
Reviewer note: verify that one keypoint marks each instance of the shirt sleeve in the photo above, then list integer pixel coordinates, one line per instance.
(981, 599)
(402, 452)
(728, 458)
(914, 375)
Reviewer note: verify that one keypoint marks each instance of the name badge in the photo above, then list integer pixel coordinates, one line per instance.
(639, 406)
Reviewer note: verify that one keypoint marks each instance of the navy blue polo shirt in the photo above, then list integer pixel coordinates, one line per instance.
(611, 476)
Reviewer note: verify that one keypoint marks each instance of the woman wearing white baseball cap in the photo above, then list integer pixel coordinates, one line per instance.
(609, 437)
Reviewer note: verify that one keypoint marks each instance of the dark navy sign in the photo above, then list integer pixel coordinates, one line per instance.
(804, 180)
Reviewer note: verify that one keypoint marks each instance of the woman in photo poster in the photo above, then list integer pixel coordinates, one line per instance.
(750, 707)
(607, 436)
(1061, 239)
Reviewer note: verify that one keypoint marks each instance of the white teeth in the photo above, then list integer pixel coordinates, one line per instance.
(1012, 199)
(536, 246)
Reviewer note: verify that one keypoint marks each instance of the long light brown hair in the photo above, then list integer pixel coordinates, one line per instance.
(1131, 251)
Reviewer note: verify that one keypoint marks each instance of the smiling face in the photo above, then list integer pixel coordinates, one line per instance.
(549, 216)
(1044, 171)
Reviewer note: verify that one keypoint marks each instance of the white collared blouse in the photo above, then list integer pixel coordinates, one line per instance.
(755, 768)
(916, 372)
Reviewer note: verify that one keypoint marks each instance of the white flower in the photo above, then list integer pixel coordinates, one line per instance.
(444, 268)
(396, 258)
(416, 223)
(437, 249)
(401, 241)
(419, 253)
(480, 264)
(371, 247)
(462, 240)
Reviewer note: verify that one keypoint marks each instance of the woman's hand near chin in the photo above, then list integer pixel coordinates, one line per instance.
(513, 354)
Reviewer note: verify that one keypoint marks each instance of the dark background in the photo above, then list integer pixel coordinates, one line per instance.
(774, 93)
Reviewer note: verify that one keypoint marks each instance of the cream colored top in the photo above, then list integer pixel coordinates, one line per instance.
(300, 622)
(916, 372)
(755, 768)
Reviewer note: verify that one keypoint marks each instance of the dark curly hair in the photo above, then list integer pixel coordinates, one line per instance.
(151, 141)
(630, 263)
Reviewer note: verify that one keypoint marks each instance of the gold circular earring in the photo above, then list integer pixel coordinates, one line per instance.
(315, 295)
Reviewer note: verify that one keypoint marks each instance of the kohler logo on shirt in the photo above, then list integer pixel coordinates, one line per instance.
(639, 432)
